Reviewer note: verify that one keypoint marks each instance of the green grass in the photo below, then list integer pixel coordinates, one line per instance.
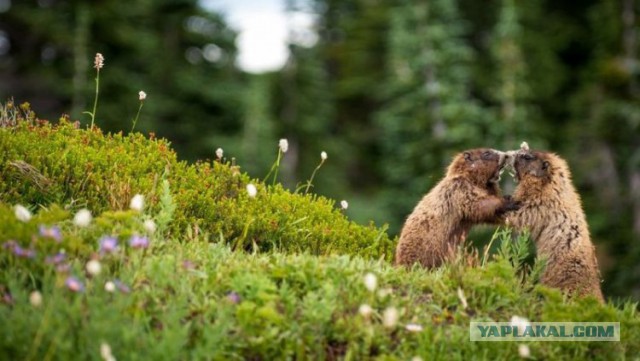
(221, 281)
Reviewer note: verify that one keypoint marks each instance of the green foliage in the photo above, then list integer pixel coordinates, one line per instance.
(200, 300)
(85, 168)
(428, 113)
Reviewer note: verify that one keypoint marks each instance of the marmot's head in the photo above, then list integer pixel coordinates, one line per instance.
(481, 166)
(540, 167)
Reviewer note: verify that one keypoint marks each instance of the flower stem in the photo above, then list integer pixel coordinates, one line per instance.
(310, 181)
(137, 115)
(95, 100)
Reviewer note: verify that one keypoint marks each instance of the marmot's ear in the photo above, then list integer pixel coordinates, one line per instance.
(545, 165)
(467, 156)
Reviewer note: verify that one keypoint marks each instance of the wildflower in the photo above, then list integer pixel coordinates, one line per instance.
(233, 297)
(105, 352)
(323, 155)
(283, 144)
(139, 241)
(523, 351)
(413, 327)
(462, 298)
(219, 153)
(384, 292)
(23, 253)
(22, 213)
(390, 317)
(416, 358)
(73, 284)
(93, 267)
(10, 244)
(50, 232)
(109, 287)
(35, 298)
(121, 286)
(188, 265)
(108, 244)
(142, 95)
(149, 226)
(98, 62)
(365, 310)
(344, 204)
(63, 268)
(370, 281)
(82, 218)
(137, 202)
(520, 322)
(251, 190)
(55, 259)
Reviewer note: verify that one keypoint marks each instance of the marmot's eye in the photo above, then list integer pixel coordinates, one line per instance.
(528, 156)
(487, 155)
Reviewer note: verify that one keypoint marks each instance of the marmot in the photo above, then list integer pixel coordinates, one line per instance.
(550, 209)
(468, 194)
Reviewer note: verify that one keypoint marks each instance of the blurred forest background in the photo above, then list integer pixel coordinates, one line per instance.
(390, 90)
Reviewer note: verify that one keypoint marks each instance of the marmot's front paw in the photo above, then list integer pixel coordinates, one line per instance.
(509, 205)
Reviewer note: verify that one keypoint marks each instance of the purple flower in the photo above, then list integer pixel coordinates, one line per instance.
(233, 297)
(7, 298)
(63, 268)
(24, 253)
(139, 242)
(55, 259)
(74, 284)
(188, 265)
(122, 287)
(11, 244)
(108, 244)
(50, 232)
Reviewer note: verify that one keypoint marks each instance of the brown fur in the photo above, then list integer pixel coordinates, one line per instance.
(467, 195)
(551, 211)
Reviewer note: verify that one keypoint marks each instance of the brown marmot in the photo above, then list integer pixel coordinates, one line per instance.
(468, 195)
(550, 209)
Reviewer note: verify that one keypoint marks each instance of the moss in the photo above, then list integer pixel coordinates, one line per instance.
(43, 163)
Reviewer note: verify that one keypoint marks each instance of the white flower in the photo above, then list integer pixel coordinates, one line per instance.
(413, 327)
(35, 298)
(384, 292)
(98, 62)
(251, 189)
(149, 226)
(365, 310)
(323, 155)
(94, 267)
(22, 213)
(523, 351)
(105, 352)
(284, 145)
(137, 202)
(82, 218)
(390, 317)
(462, 298)
(142, 95)
(520, 322)
(110, 287)
(219, 153)
(416, 358)
(370, 281)
(344, 204)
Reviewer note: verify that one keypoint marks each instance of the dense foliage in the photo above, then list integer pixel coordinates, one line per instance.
(43, 163)
(391, 90)
(184, 297)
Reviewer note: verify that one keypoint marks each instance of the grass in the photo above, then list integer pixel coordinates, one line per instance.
(211, 285)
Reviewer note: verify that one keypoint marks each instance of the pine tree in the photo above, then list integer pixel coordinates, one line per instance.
(428, 113)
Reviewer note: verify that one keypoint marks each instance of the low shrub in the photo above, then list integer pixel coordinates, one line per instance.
(194, 300)
(42, 163)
